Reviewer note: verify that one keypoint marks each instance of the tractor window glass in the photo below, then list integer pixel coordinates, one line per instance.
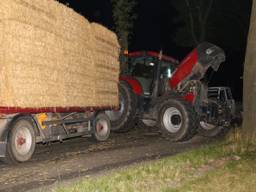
(167, 70)
(142, 68)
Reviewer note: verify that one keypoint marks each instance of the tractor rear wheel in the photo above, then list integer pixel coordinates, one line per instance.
(123, 119)
(177, 119)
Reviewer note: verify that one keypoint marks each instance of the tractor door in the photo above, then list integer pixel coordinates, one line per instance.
(166, 71)
(144, 70)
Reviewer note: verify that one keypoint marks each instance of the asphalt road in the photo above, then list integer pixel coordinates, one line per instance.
(80, 157)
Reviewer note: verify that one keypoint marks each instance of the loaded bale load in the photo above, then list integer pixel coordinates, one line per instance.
(53, 58)
(106, 68)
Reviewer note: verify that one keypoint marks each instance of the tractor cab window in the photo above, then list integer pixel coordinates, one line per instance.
(167, 70)
(143, 69)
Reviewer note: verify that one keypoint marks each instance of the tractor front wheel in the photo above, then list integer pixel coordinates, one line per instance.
(177, 119)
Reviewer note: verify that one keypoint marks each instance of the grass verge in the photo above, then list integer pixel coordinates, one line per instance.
(210, 168)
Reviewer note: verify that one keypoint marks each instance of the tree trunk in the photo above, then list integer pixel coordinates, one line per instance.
(249, 100)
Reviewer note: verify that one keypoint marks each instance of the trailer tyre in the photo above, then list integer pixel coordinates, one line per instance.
(21, 141)
(101, 127)
(124, 119)
(177, 119)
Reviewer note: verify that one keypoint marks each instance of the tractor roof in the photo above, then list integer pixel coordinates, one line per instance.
(152, 54)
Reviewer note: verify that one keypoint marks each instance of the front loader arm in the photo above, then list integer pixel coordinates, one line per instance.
(196, 64)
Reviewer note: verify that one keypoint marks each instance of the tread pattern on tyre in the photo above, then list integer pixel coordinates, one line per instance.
(192, 116)
(128, 121)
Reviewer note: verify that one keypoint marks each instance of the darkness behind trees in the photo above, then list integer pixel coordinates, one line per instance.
(158, 22)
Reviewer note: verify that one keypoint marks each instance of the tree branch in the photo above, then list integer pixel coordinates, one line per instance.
(192, 24)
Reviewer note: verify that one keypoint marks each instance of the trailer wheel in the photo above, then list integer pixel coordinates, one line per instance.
(124, 119)
(101, 127)
(177, 119)
(21, 141)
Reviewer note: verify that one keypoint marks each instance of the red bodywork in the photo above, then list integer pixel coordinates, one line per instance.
(12, 110)
(134, 83)
(181, 73)
(152, 54)
(184, 70)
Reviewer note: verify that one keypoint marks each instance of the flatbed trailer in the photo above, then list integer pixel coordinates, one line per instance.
(22, 128)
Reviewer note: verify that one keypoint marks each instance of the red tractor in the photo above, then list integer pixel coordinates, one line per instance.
(157, 90)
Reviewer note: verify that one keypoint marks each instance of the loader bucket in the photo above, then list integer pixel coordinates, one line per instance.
(196, 64)
(210, 55)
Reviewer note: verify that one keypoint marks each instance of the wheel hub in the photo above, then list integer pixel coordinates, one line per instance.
(102, 127)
(172, 119)
(23, 141)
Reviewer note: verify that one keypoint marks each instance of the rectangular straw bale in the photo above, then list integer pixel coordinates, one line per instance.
(49, 57)
(106, 63)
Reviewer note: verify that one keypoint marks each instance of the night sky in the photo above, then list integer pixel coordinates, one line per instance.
(154, 28)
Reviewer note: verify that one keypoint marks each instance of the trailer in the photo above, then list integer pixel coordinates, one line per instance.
(58, 73)
(22, 129)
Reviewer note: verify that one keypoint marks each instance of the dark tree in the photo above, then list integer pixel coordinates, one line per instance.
(124, 16)
(249, 114)
(211, 20)
(194, 14)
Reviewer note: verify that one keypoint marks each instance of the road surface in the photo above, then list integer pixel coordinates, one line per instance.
(81, 157)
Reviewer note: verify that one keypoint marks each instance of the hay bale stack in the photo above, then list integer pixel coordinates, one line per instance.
(48, 57)
(106, 54)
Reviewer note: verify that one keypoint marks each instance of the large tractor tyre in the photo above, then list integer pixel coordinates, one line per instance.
(177, 119)
(124, 119)
(101, 127)
(21, 141)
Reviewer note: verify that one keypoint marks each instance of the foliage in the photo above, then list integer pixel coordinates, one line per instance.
(124, 16)
(211, 20)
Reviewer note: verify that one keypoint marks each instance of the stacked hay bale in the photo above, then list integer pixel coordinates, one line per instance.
(48, 57)
(106, 53)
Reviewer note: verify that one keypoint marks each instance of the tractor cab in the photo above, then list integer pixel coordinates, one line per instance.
(151, 69)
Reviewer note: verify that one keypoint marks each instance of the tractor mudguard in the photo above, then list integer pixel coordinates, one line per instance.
(134, 84)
